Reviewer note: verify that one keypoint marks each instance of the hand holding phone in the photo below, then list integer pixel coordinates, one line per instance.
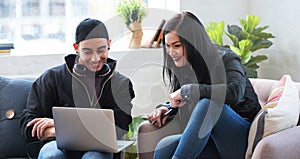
(164, 115)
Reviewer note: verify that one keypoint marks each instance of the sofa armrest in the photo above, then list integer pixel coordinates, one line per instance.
(283, 144)
(149, 135)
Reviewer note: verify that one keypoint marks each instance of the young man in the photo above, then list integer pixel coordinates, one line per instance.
(87, 79)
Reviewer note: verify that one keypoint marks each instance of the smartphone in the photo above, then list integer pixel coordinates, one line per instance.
(165, 114)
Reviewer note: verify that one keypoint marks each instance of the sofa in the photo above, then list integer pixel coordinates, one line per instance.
(279, 145)
(13, 97)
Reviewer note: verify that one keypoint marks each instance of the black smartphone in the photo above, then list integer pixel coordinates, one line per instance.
(165, 114)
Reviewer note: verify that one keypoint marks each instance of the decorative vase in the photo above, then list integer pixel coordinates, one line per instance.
(137, 34)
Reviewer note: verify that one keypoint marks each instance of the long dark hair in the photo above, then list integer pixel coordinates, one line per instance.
(201, 53)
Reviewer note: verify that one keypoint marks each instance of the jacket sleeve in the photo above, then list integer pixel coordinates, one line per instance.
(123, 93)
(234, 87)
(39, 104)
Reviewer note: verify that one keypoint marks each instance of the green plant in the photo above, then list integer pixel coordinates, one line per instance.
(245, 40)
(131, 11)
(131, 151)
(215, 32)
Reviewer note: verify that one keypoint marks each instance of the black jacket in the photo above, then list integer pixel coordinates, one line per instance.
(59, 86)
(234, 90)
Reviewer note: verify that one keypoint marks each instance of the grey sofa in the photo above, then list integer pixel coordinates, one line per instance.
(281, 145)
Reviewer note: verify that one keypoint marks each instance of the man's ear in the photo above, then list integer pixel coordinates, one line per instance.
(108, 44)
(75, 47)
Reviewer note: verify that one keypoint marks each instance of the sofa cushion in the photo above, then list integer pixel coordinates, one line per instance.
(13, 98)
(280, 112)
(272, 146)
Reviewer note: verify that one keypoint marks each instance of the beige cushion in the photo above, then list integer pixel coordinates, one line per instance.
(280, 112)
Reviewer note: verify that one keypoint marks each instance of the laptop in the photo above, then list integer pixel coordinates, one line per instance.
(87, 129)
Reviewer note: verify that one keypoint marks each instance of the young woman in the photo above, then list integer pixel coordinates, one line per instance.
(212, 96)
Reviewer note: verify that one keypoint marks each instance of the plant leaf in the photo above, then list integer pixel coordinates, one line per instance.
(250, 23)
(234, 39)
(261, 43)
(235, 30)
(245, 50)
(235, 50)
(259, 29)
(251, 73)
(255, 60)
(259, 33)
(246, 35)
(132, 132)
(215, 32)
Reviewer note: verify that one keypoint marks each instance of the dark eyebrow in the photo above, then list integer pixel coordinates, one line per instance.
(102, 47)
(175, 42)
(86, 49)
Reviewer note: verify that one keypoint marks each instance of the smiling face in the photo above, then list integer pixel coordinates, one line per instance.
(93, 53)
(175, 49)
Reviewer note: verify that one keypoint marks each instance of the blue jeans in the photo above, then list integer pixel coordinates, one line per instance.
(229, 133)
(50, 151)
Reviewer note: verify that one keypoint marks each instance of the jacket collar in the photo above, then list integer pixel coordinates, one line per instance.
(71, 58)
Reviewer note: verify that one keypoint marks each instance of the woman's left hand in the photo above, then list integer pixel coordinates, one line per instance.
(176, 99)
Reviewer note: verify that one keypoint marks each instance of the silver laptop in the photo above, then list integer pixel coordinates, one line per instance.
(86, 129)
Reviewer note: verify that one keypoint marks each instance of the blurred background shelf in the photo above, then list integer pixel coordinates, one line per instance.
(6, 47)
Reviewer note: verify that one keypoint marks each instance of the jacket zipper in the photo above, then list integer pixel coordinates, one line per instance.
(92, 105)
(104, 83)
(86, 90)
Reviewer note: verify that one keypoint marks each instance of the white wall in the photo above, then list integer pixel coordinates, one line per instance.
(32, 65)
(280, 15)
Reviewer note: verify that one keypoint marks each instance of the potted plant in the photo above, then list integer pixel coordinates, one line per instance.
(245, 40)
(131, 151)
(132, 12)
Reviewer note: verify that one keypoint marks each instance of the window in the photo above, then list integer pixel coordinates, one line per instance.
(7, 11)
(57, 8)
(48, 26)
(31, 8)
(7, 8)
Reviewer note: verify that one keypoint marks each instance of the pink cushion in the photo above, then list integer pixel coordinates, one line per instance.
(263, 88)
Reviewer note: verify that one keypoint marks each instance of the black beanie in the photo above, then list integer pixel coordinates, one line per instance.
(90, 28)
